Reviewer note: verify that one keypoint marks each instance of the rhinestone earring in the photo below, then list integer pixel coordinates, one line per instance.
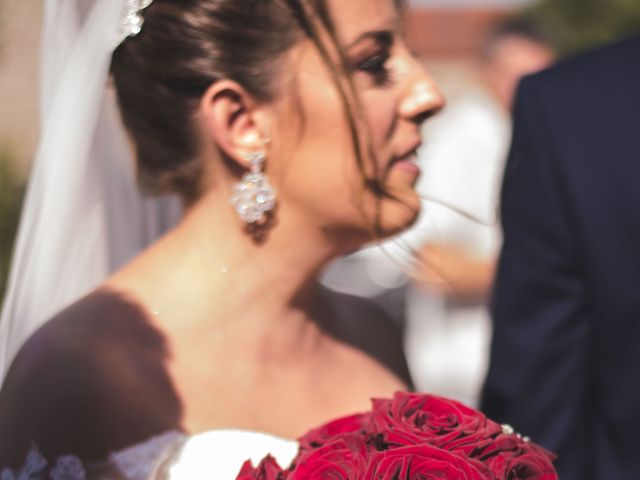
(253, 197)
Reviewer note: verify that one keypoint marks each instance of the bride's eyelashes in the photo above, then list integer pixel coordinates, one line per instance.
(374, 60)
(376, 67)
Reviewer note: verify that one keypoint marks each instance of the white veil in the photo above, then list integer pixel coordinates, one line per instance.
(83, 216)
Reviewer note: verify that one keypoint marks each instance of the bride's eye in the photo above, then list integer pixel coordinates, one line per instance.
(376, 67)
(373, 57)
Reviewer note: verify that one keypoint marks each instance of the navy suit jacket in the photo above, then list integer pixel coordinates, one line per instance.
(565, 360)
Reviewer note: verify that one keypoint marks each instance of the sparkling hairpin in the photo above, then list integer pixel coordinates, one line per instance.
(132, 18)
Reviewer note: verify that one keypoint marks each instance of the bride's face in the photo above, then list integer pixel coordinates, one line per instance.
(318, 174)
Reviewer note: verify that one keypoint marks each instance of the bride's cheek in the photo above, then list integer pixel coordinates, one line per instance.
(380, 113)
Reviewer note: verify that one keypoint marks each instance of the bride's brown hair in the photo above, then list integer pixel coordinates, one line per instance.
(184, 47)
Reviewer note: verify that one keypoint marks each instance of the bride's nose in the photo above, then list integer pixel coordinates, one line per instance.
(422, 98)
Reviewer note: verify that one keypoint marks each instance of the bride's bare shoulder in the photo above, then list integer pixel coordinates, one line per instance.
(90, 381)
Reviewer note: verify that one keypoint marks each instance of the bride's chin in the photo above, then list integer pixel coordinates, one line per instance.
(398, 215)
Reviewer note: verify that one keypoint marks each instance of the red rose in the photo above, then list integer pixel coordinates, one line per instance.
(502, 443)
(344, 458)
(267, 470)
(511, 457)
(413, 436)
(424, 461)
(412, 418)
(329, 431)
(528, 466)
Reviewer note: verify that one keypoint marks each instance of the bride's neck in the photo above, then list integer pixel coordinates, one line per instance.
(210, 267)
(282, 259)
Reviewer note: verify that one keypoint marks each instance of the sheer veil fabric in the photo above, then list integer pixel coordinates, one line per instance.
(83, 216)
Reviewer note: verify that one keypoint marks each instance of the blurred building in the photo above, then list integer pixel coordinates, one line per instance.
(446, 35)
(20, 29)
(443, 32)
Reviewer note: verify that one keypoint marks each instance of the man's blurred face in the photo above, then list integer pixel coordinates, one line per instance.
(514, 57)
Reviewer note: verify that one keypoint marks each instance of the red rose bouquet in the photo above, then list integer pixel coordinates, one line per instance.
(411, 436)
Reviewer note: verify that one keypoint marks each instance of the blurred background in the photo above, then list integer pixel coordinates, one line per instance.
(475, 49)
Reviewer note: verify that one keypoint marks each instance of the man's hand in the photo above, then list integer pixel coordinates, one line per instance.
(451, 271)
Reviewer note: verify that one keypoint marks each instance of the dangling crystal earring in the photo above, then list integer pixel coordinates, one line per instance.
(253, 198)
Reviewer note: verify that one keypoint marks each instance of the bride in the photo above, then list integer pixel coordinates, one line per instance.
(288, 128)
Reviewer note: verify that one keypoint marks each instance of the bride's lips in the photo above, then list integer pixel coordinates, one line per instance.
(407, 162)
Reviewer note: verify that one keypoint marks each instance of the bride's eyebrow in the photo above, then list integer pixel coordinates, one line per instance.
(383, 36)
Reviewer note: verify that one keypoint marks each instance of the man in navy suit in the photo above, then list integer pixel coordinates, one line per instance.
(565, 361)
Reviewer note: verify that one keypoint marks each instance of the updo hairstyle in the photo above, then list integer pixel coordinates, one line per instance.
(187, 45)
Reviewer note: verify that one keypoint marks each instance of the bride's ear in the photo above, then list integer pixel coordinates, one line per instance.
(234, 121)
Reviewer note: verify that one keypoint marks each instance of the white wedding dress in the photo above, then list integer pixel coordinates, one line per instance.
(218, 454)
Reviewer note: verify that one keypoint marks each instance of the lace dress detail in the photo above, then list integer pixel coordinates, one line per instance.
(142, 461)
(139, 462)
(217, 454)
(36, 468)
